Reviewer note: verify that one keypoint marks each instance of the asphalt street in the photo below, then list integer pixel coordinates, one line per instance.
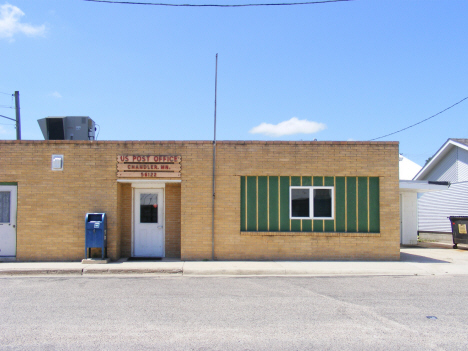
(234, 313)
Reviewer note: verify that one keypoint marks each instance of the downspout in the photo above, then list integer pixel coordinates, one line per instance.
(214, 166)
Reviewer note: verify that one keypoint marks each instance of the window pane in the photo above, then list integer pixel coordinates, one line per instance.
(148, 208)
(300, 203)
(4, 207)
(322, 203)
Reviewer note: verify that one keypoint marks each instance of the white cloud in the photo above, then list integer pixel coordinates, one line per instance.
(4, 131)
(10, 23)
(292, 126)
(56, 95)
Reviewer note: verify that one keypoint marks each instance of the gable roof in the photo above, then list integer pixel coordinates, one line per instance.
(408, 168)
(461, 141)
(440, 154)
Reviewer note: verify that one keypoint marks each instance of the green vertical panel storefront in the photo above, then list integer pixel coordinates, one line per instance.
(252, 203)
(265, 204)
(363, 217)
(340, 205)
(351, 225)
(284, 204)
(242, 205)
(262, 204)
(273, 203)
(374, 205)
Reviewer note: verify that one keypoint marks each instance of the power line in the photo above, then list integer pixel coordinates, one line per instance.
(1, 92)
(216, 5)
(424, 120)
(8, 118)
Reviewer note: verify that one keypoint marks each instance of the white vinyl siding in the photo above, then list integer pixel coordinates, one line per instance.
(435, 207)
(462, 165)
(446, 170)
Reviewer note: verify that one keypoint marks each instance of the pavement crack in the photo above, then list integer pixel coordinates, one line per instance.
(353, 311)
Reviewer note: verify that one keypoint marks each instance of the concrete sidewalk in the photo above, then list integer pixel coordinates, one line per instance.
(428, 260)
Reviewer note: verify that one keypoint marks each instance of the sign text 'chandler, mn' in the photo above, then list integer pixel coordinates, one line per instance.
(148, 166)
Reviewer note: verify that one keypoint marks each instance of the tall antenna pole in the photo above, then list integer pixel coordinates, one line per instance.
(214, 165)
(18, 122)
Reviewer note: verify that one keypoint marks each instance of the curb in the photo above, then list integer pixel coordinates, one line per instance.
(237, 272)
(95, 271)
(85, 271)
(41, 271)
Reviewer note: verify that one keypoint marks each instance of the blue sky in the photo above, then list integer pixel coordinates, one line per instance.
(352, 70)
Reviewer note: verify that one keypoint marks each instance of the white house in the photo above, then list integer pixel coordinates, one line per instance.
(408, 168)
(450, 164)
(409, 190)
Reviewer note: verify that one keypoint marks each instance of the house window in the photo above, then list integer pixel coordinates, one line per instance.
(311, 202)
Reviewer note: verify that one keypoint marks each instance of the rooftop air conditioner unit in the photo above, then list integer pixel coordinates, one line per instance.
(67, 128)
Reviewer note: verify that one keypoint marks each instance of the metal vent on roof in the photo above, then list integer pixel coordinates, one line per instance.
(67, 128)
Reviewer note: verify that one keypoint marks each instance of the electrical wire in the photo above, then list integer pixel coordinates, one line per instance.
(424, 120)
(8, 118)
(216, 5)
(1, 92)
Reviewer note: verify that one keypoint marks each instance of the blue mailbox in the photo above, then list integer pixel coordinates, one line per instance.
(96, 233)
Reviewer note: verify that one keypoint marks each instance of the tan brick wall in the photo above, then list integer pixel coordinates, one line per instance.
(125, 215)
(172, 218)
(52, 205)
(305, 159)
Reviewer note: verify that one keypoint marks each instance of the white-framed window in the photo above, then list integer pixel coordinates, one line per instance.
(311, 202)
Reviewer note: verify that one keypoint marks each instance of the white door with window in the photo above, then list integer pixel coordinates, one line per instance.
(8, 220)
(148, 233)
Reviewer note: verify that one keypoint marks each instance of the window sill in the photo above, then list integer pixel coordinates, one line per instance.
(313, 234)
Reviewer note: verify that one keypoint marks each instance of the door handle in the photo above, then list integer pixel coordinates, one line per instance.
(160, 226)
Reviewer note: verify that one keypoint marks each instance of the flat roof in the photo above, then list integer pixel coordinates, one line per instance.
(236, 142)
(421, 186)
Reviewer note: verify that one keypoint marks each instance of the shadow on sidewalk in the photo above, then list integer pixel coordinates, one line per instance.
(407, 257)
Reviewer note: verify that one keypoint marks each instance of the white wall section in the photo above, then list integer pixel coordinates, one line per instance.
(462, 165)
(434, 208)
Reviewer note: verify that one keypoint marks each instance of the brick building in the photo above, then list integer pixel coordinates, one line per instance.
(274, 200)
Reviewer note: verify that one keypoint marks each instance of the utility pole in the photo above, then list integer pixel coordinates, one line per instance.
(214, 166)
(18, 122)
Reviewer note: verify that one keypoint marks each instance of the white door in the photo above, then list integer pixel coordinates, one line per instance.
(148, 239)
(7, 220)
(401, 219)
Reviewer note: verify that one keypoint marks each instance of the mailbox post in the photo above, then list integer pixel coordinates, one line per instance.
(96, 233)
